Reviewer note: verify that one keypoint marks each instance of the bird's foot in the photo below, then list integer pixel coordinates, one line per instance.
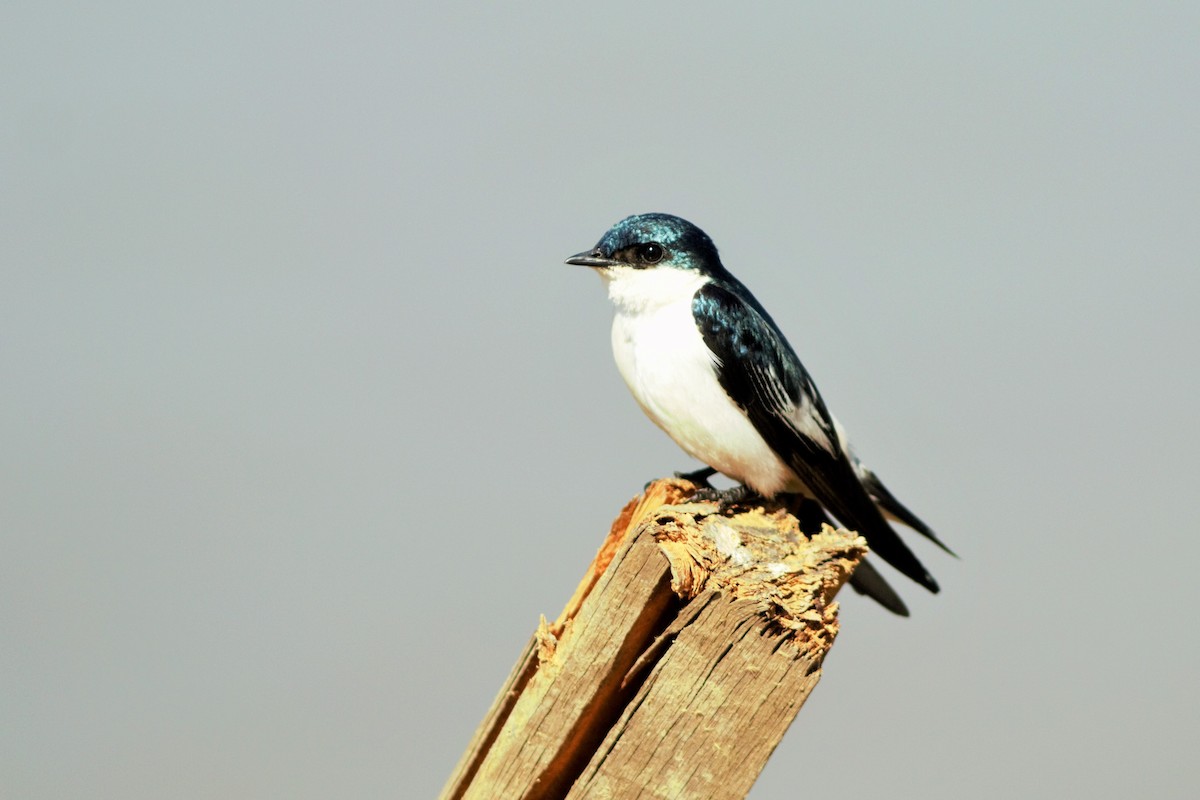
(699, 477)
(724, 498)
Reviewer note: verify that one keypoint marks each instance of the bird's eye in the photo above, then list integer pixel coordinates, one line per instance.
(650, 253)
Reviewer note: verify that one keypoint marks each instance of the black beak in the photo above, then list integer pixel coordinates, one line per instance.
(592, 258)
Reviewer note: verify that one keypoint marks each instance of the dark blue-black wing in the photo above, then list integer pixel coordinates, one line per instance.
(760, 372)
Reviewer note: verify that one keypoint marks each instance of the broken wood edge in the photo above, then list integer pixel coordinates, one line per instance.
(798, 602)
(761, 555)
(790, 599)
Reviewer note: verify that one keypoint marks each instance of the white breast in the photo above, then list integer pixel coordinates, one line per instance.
(670, 372)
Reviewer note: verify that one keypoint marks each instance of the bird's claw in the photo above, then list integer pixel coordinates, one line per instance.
(724, 498)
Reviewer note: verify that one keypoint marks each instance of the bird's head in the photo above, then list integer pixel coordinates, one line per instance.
(657, 242)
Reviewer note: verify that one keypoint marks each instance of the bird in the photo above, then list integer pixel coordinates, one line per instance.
(709, 366)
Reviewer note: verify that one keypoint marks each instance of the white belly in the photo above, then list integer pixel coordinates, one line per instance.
(669, 369)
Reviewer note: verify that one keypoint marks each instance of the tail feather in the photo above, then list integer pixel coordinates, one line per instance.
(893, 508)
(867, 580)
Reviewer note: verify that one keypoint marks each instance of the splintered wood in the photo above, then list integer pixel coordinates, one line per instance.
(676, 668)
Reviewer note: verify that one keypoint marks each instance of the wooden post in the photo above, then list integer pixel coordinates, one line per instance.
(678, 665)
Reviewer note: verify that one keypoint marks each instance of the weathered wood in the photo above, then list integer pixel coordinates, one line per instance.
(677, 666)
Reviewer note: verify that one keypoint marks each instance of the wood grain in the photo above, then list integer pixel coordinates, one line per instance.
(676, 668)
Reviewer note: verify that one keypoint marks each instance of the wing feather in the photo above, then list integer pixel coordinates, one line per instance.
(761, 373)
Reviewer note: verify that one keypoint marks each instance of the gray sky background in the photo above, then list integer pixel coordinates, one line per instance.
(304, 421)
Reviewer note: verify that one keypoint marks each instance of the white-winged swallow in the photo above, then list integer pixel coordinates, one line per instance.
(709, 366)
